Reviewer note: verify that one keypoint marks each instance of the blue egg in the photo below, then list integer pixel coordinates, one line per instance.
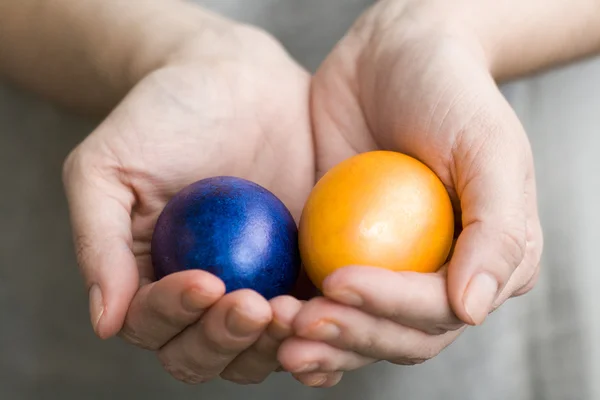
(232, 228)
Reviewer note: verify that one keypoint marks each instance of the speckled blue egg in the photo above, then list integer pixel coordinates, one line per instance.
(232, 228)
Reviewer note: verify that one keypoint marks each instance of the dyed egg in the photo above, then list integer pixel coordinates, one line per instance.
(380, 209)
(232, 228)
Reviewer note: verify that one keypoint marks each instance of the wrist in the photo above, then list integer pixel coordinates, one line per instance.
(179, 35)
(516, 38)
(192, 36)
(435, 25)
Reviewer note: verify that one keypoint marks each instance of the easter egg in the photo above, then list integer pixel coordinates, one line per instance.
(232, 228)
(380, 209)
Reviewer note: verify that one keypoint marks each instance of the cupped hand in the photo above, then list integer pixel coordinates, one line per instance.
(409, 77)
(236, 104)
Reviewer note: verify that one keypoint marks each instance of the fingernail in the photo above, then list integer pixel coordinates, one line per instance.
(480, 296)
(347, 297)
(317, 380)
(243, 321)
(306, 368)
(96, 306)
(323, 330)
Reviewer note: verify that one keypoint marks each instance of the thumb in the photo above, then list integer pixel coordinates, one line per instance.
(100, 209)
(492, 164)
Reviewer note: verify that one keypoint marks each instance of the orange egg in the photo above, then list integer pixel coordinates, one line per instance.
(381, 209)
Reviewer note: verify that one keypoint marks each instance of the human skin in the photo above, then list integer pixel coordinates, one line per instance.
(420, 77)
(185, 94)
(412, 76)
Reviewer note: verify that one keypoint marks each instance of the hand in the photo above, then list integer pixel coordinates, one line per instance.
(235, 104)
(406, 78)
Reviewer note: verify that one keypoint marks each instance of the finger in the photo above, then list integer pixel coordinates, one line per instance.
(527, 273)
(300, 356)
(491, 158)
(100, 207)
(319, 379)
(260, 360)
(161, 310)
(349, 329)
(203, 351)
(529, 285)
(414, 300)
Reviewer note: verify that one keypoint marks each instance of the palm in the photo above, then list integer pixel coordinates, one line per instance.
(414, 101)
(177, 127)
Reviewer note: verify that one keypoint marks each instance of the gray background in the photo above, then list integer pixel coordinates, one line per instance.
(541, 347)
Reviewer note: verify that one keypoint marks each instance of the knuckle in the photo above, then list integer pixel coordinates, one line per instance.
(84, 249)
(366, 343)
(132, 337)
(160, 311)
(531, 267)
(415, 353)
(515, 242)
(377, 341)
(89, 249)
(343, 277)
(220, 343)
(182, 373)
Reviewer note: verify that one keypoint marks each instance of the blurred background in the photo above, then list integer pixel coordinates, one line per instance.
(543, 346)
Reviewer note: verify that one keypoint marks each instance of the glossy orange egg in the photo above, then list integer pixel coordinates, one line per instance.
(381, 209)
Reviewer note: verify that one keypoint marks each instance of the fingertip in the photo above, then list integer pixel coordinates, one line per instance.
(319, 379)
(476, 276)
(96, 308)
(196, 299)
(302, 356)
(109, 300)
(479, 297)
(106, 324)
(106, 328)
(207, 282)
(199, 289)
(294, 355)
(342, 277)
(286, 302)
(240, 314)
(333, 379)
(348, 285)
(111, 319)
(285, 309)
(252, 304)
